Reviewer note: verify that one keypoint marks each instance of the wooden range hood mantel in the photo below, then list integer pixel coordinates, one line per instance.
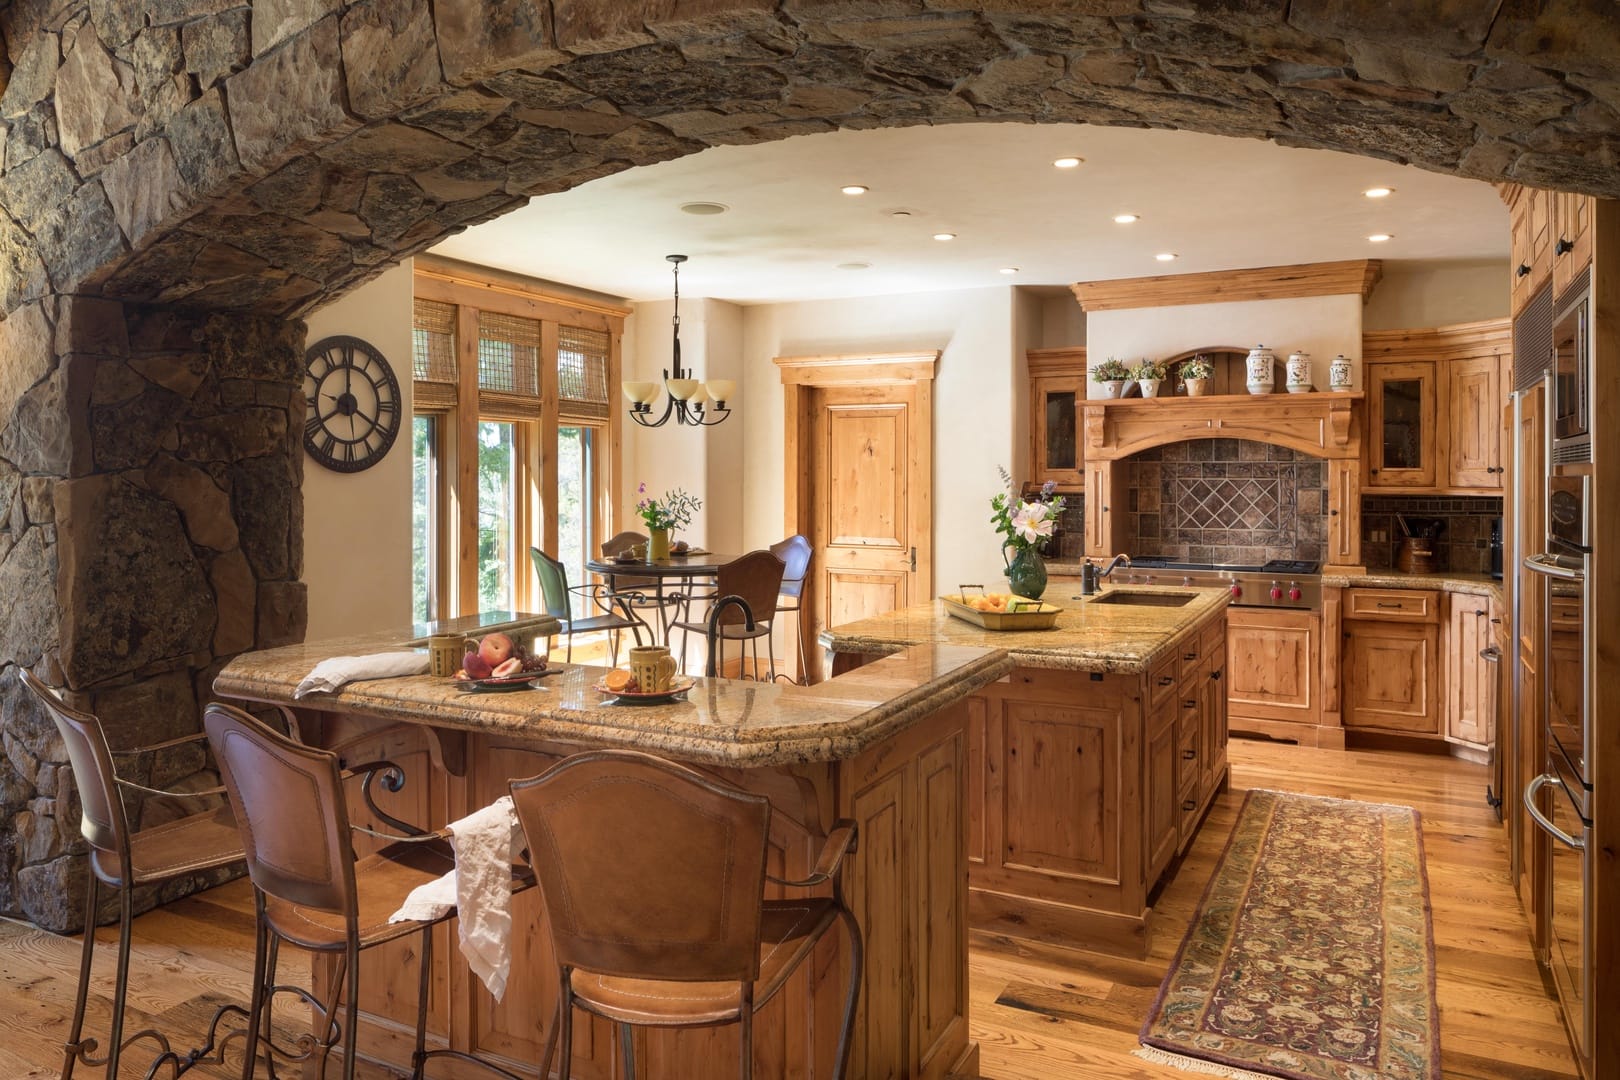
(1323, 425)
(1328, 426)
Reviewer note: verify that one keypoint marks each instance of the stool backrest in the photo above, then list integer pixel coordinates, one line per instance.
(289, 806)
(648, 868)
(757, 578)
(553, 584)
(102, 821)
(795, 555)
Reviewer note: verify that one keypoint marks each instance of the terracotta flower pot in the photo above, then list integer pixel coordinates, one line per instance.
(1197, 387)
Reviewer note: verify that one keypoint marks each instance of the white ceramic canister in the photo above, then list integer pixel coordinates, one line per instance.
(1262, 370)
(1299, 373)
(1340, 374)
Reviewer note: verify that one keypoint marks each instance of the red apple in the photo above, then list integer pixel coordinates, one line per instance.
(495, 648)
(476, 666)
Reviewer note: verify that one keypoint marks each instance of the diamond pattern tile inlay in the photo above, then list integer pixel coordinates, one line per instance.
(1214, 503)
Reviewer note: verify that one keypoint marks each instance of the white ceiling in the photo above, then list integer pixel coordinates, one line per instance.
(1219, 203)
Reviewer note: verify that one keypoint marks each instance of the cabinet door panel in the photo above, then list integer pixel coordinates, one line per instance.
(1161, 788)
(1272, 663)
(1061, 790)
(1391, 677)
(1401, 409)
(1474, 405)
(1468, 691)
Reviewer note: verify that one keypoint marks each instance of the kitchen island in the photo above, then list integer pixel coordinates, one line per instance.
(885, 746)
(1090, 765)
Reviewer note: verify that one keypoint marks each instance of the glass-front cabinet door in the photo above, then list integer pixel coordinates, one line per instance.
(1055, 429)
(1401, 402)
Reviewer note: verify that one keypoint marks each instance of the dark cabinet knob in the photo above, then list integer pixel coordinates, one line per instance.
(1563, 247)
(1524, 268)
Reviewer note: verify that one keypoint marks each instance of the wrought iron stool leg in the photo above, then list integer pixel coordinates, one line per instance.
(425, 960)
(259, 1004)
(73, 1047)
(126, 919)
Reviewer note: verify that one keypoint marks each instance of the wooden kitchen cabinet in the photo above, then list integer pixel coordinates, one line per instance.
(1530, 215)
(1470, 683)
(1401, 423)
(1391, 667)
(1057, 386)
(1473, 404)
(1571, 233)
(1273, 664)
(1163, 818)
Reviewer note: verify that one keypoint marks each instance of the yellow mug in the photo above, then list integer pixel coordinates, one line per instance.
(653, 668)
(444, 654)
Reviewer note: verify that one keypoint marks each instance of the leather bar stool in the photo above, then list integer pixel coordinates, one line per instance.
(654, 876)
(308, 887)
(122, 858)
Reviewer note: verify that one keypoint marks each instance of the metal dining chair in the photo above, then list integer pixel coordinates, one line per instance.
(755, 577)
(123, 858)
(795, 554)
(557, 597)
(613, 835)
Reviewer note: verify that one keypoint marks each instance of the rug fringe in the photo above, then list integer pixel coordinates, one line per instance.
(1197, 1065)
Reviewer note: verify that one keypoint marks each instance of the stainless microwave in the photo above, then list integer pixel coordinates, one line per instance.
(1571, 381)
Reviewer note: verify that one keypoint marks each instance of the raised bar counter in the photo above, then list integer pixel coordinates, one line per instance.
(1091, 764)
(885, 746)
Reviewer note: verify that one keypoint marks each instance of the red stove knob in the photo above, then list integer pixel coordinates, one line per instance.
(1237, 590)
(1294, 591)
(1276, 591)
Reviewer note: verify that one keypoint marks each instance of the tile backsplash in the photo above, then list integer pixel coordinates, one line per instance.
(1226, 501)
(1463, 545)
(1068, 543)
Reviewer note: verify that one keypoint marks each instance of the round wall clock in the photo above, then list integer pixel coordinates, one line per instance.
(353, 406)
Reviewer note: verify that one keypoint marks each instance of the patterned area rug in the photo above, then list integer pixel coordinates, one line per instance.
(1312, 953)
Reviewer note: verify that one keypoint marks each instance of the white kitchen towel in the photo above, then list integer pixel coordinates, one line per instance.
(480, 887)
(334, 673)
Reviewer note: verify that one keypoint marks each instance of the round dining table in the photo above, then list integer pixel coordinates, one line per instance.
(672, 578)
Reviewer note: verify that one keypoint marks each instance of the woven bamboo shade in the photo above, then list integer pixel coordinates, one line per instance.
(433, 342)
(508, 354)
(582, 379)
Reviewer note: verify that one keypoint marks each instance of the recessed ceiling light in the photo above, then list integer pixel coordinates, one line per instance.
(1380, 237)
(900, 213)
(1165, 256)
(1009, 269)
(855, 266)
(944, 236)
(853, 189)
(1378, 192)
(704, 209)
(1124, 219)
(1068, 162)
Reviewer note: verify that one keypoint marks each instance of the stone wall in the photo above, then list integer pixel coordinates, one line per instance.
(150, 528)
(164, 162)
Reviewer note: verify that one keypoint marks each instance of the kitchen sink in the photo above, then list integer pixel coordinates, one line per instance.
(1146, 599)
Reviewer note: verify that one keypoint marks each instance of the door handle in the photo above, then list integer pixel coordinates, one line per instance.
(913, 558)
(1538, 564)
(1530, 807)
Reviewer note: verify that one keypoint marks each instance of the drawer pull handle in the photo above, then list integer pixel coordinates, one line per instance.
(1166, 680)
(1190, 703)
(1188, 755)
(1381, 604)
(1190, 656)
(1189, 804)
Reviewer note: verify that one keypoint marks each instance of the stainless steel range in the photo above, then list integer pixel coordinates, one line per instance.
(1281, 583)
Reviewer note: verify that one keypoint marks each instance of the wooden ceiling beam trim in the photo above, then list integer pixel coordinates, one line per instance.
(1350, 276)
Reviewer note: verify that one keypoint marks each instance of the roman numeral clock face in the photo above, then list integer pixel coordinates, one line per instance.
(351, 402)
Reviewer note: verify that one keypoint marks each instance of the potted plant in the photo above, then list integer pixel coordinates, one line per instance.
(1148, 375)
(1111, 375)
(1196, 374)
(1024, 526)
(663, 516)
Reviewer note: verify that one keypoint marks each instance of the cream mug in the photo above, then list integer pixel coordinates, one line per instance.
(653, 668)
(444, 654)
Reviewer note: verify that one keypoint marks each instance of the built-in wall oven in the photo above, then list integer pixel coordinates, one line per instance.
(1567, 641)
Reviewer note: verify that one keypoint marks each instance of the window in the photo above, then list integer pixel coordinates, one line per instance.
(512, 383)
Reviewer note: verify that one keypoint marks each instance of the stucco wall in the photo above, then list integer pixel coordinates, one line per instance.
(1439, 295)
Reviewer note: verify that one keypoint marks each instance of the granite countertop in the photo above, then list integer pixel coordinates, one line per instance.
(722, 721)
(1467, 584)
(1088, 636)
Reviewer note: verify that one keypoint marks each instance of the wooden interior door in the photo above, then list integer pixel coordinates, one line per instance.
(870, 510)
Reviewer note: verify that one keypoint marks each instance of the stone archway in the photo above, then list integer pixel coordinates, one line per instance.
(180, 181)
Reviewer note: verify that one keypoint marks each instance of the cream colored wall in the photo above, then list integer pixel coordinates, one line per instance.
(1323, 326)
(1063, 322)
(1439, 295)
(357, 526)
(975, 393)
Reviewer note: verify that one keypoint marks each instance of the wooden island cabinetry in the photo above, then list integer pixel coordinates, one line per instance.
(1090, 765)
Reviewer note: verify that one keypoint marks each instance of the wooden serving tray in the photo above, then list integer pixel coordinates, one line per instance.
(1032, 615)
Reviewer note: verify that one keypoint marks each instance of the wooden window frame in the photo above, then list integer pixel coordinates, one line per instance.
(473, 290)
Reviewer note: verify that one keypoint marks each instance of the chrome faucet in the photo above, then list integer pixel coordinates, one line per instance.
(711, 634)
(1091, 574)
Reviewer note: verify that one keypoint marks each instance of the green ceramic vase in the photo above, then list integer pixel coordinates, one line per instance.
(1026, 573)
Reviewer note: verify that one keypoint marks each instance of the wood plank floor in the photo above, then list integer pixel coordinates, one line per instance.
(1039, 1012)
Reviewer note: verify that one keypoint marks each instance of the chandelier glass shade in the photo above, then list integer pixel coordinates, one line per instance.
(690, 401)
